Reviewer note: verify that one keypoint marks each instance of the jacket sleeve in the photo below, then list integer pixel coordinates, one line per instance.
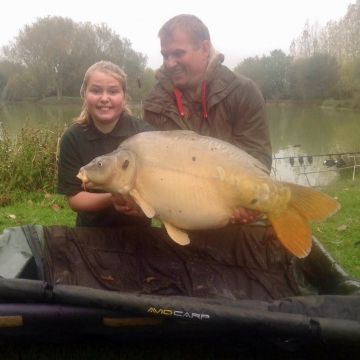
(250, 130)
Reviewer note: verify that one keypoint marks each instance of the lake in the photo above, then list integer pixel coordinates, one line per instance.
(303, 138)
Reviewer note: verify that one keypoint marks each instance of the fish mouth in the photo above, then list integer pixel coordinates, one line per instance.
(86, 183)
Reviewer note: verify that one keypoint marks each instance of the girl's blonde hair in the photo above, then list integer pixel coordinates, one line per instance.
(105, 67)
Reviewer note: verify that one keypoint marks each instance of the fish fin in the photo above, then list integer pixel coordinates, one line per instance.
(293, 231)
(148, 210)
(176, 234)
(312, 204)
(292, 225)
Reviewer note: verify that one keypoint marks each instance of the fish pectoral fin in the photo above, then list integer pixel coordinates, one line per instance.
(148, 210)
(293, 231)
(176, 234)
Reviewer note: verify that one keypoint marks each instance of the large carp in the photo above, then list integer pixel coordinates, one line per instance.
(193, 182)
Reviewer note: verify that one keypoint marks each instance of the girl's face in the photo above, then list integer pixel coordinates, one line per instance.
(104, 97)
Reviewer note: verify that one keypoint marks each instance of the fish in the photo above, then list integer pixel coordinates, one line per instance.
(193, 182)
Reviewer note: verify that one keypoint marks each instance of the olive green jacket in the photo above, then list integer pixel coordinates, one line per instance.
(233, 110)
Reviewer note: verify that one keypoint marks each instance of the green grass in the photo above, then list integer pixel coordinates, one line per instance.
(39, 208)
(340, 233)
(342, 104)
(49, 209)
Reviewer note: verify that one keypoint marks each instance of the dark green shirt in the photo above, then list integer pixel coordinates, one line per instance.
(78, 146)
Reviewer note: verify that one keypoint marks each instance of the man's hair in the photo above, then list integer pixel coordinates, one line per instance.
(192, 25)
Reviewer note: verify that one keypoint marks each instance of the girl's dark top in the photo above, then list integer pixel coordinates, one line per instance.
(78, 146)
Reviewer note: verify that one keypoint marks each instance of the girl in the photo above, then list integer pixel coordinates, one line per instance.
(104, 123)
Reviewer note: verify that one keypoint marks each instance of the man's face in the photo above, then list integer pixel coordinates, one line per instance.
(185, 63)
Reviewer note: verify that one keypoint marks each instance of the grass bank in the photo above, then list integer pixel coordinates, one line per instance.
(340, 234)
(64, 100)
(342, 104)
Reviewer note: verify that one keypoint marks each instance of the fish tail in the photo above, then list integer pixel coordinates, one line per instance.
(292, 225)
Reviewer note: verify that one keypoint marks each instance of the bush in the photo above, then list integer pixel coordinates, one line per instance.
(28, 161)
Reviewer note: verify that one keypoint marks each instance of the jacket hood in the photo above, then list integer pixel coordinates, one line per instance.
(215, 61)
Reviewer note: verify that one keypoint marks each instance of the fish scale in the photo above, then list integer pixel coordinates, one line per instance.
(194, 182)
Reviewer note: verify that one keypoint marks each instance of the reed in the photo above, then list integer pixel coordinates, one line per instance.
(28, 160)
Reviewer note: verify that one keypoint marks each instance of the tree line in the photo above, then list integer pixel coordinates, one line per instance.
(323, 63)
(51, 56)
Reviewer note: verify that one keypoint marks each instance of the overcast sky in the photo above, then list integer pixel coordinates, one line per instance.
(239, 29)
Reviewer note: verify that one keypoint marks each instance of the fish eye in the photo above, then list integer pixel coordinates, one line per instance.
(125, 164)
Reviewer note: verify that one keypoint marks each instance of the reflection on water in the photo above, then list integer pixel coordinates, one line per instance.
(294, 166)
(296, 132)
(304, 137)
(14, 116)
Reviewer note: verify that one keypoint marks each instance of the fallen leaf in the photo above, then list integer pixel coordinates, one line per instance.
(55, 207)
(30, 202)
(47, 196)
(341, 228)
(11, 216)
(109, 277)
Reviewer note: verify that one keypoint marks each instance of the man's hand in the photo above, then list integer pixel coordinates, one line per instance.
(242, 215)
(127, 207)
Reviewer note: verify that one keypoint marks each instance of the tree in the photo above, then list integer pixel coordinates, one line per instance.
(3, 82)
(269, 72)
(41, 53)
(276, 65)
(53, 54)
(253, 68)
(339, 39)
(11, 84)
(144, 83)
(313, 78)
(307, 44)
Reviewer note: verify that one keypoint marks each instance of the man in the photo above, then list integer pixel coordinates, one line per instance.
(196, 92)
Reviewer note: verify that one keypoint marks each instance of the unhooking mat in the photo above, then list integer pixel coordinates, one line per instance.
(62, 283)
(236, 262)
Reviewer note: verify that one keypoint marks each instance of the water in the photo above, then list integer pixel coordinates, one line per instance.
(301, 133)
(310, 136)
(14, 116)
